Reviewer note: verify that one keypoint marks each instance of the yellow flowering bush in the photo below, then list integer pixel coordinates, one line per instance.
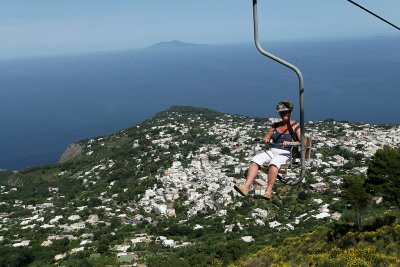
(375, 248)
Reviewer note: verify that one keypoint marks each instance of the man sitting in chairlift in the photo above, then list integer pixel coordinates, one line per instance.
(280, 136)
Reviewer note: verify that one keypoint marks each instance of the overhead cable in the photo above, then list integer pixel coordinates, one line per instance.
(391, 24)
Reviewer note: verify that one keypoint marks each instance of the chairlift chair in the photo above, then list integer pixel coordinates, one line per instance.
(304, 148)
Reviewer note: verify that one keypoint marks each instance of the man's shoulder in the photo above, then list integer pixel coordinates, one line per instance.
(278, 124)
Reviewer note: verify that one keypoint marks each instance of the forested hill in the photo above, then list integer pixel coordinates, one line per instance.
(161, 193)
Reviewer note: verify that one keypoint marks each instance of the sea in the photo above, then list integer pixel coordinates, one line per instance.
(47, 103)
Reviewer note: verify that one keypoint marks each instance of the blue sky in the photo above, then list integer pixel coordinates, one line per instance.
(43, 27)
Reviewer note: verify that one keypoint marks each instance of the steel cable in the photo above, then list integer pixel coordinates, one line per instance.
(363, 8)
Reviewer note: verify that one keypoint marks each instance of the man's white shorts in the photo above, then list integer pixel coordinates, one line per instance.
(273, 156)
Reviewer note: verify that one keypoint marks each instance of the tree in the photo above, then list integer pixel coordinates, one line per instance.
(302, 196)
(355, 194)
(15, 257)
(225, 150)
(94, 202)
(102, 248)
(383, 175)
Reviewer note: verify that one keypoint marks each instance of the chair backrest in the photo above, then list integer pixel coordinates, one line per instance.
(295, 151)
(308, 143)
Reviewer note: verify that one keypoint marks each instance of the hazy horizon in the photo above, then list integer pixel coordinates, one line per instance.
(266, 44)
(45, 27)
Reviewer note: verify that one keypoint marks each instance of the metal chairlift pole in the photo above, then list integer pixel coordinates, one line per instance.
(301, 90)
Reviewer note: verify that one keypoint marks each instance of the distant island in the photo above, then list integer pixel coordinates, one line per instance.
(174, 44)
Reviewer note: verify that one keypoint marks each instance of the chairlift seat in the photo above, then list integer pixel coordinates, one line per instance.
(294, 160)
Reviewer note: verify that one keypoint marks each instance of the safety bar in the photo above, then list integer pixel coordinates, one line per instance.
(301, 90)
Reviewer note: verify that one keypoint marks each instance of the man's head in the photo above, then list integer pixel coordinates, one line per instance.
(284, 105)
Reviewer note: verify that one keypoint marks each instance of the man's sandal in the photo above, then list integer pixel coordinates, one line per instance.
(267, 195)
(241, 189)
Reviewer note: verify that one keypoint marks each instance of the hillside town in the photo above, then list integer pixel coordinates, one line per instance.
(199, 181)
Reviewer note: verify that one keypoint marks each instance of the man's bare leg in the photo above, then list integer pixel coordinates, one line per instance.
(251, 175)
(272, 174)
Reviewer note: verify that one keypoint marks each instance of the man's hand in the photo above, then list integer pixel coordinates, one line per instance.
(287, 143)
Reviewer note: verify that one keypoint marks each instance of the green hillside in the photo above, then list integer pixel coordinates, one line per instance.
(161, 193)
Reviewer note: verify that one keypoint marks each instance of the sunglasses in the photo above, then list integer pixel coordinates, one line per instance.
(284, 112)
